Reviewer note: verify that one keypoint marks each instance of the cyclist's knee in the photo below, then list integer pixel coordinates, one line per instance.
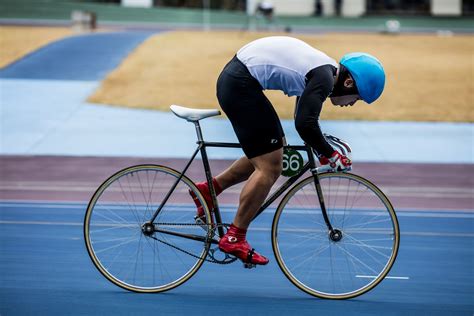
(275, 169)
(270, 164)
(275, 172)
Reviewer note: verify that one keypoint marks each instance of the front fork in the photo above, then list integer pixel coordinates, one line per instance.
(319, 191)
(334, 235)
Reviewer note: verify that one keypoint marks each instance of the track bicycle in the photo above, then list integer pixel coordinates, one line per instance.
(335, 235)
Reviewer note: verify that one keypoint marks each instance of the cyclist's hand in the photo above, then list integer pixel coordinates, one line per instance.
(323, 160)
(337, 162)
(340, 162)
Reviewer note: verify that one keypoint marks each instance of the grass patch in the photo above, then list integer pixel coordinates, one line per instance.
(17, 41)
(429, 78)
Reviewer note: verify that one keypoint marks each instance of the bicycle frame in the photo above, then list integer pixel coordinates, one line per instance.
(310, 165)
(133, 235)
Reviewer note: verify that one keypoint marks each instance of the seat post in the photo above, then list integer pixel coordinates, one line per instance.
(198, 131)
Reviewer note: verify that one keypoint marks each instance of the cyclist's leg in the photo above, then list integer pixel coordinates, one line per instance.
(267, 170)
(254, 120)
(259, 131)
(238, 172)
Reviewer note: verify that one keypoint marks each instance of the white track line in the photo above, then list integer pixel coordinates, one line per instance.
(231, 209)
(387, 277)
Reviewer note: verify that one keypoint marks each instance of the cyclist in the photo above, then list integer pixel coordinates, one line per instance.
(294, 67)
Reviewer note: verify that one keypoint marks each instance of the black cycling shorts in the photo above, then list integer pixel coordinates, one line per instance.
(253, 117)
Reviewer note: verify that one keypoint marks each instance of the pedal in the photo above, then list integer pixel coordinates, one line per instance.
(248, 265)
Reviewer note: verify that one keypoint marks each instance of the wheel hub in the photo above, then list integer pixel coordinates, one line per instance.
(148, 229)
(335, 235)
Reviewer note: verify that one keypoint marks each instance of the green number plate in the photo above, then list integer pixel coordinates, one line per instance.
(292, 162)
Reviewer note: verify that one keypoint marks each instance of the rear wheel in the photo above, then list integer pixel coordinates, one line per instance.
(131, 252)
(355, 256)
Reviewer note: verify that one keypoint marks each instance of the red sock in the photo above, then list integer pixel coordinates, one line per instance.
(204, 189)
(217, 187)
(239, 233)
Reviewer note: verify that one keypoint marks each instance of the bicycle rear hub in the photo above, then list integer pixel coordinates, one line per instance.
(148, 229)
(335, 235)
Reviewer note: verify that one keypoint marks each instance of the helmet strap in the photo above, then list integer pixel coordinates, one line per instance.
(339, 88)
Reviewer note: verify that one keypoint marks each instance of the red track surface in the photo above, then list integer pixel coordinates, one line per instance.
(409, 186)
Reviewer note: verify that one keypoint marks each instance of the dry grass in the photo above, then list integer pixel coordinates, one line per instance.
(17, 41)
(429, 78)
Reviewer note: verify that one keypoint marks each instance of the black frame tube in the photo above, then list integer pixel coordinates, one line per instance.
(187, 236)
(310, 165)
(174, 185)
(319, 191)
(212, 190)
(282, 189)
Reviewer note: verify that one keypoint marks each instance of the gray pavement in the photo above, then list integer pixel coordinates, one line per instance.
(36, 121)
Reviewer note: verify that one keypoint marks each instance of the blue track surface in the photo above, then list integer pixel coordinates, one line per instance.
(44, 266)
(46, 270)
(86, 58)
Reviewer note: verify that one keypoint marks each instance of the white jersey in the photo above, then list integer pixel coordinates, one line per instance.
(282, 62)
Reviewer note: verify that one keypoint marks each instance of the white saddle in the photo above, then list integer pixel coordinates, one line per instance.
(193, 115)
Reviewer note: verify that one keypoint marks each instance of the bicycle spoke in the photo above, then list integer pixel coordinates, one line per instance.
(135, 259)
(122, 220)
(116, 246)
(357, 259)
(364, 246)
(314, 253)
(365, 224)
(328, 268)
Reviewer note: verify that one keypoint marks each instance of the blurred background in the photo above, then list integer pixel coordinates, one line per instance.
(427, 42)
(85, 90)
(230, 12)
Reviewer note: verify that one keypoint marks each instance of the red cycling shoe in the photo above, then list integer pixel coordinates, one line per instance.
(200, 217)
(234, 243)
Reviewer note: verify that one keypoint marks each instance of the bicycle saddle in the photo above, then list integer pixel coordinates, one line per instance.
(193, 115)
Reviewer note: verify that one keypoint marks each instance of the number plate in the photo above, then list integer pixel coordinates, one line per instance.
(292, 162)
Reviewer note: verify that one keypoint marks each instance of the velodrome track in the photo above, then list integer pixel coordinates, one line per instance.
(45, 268)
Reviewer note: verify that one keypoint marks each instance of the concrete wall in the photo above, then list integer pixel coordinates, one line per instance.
(294, 7)
(286, 7)
(328, 7)
(446, 7)
(138, 3)
(350, 8)
(354, 8)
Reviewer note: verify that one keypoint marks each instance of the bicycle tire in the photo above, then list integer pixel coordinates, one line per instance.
(321, 266)
(113, 229)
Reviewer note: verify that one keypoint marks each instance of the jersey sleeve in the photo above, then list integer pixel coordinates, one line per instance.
(319, 86)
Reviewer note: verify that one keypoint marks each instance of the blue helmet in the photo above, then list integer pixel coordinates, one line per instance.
(368, 74)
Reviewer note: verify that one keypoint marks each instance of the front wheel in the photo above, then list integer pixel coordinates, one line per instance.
(355, 256)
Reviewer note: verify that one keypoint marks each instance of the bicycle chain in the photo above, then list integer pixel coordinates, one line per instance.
(210, 251)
